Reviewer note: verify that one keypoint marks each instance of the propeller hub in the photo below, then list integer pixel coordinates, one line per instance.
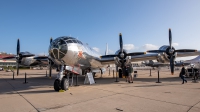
(171, 51)
(122, 55)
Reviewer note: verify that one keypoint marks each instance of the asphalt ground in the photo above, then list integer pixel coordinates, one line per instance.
(106, 95)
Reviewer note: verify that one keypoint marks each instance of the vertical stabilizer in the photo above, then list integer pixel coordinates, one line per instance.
(106, 53)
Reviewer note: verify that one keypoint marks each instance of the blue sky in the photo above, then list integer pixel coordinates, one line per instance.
(144, 24)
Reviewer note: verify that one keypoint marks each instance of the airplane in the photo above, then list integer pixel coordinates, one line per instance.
(194, 62)
(151, 63)
(75, 57)
(28, 59)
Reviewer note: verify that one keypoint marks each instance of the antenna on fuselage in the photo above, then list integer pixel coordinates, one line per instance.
(51, 39)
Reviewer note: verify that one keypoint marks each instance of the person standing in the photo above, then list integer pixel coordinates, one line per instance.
(126, 74)
(182, 73)
(130, 71)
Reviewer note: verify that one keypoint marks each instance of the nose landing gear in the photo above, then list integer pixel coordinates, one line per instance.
(62, 82)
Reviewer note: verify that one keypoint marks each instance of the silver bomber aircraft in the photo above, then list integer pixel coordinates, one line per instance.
(75, 57)
(28, 59)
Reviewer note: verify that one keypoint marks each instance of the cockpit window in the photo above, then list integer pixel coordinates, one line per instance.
(62, 42)
(69, 41)
(74, 41)
(66, 38)
(79, 42)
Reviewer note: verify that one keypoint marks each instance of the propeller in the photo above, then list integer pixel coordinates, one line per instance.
(171, 51)
(18, 57)
(50, 62)
(122, 55)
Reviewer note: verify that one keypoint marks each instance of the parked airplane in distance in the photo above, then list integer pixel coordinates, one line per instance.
(75, 57)
(151, 63)
(28, 59)
(194, 62)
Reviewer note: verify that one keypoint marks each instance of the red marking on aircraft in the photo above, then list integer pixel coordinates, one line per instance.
(80, 54)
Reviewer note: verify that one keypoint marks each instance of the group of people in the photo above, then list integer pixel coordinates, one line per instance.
(128, 73)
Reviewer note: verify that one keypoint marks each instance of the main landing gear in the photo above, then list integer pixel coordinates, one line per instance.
(61, 82)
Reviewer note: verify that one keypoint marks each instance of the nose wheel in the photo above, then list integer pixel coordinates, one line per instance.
(63, 84)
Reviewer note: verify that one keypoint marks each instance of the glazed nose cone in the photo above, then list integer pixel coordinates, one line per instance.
(58, 48)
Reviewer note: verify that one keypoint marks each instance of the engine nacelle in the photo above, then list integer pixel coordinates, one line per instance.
(118, 61)
(164, 57)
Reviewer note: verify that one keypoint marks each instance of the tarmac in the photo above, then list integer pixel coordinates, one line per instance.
(106, 95)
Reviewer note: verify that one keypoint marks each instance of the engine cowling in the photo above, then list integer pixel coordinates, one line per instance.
(119, 58)
(165, 56)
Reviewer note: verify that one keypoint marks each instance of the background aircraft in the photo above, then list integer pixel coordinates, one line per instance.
(28, 59)
(194, 62)
(151, 63)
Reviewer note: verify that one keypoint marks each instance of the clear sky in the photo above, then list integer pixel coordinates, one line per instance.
(144, 24)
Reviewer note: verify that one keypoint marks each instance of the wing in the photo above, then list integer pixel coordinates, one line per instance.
(110, 60)
(8, 57)
(41, 60)
(185, 54)
(144, 57)
(107, 60)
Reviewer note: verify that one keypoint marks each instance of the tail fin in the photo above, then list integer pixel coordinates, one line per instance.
(106, 53)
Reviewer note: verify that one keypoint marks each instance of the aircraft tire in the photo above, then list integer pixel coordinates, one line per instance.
(57, 85)
(65, 84)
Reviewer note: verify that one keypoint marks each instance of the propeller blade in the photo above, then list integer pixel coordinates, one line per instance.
(156, 51)
(186, 50)
(121, 43)
(170, 38)
(108, 56)
(172, 65)
(136, 53)
(51, 40)
(18, 47)
(18, 52)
